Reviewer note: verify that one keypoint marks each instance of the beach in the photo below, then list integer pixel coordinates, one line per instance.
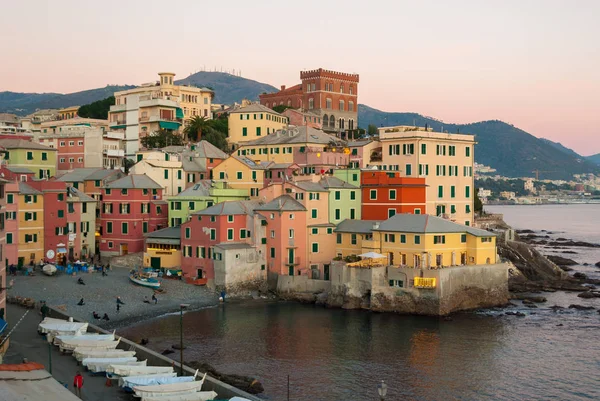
(100, 296)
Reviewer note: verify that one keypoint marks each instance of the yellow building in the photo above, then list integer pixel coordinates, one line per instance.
(241, 173)
(68, 112)
(444, 160)
(31, 224)
(253, 122)
(163, 248)
(418, 241)
(41, 160)
(150, 107)
(280, 146)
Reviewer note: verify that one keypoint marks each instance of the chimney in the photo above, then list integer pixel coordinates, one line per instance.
(375, 226)
(282, 87)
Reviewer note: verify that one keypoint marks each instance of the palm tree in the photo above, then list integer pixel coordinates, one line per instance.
(195, 128)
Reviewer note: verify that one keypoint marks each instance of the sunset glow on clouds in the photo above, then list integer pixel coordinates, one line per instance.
(534, 64)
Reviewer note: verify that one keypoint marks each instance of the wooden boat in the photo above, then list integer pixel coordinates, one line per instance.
(149, 282)
(172, 389)
(83, 337)
(97, 365)
(94, 353)
(125, 370)
(49, 270)
(129, 382)
(198, 396)
(71, 345)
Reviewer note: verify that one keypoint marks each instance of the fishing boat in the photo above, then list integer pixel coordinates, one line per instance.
(198, 396)
(124, 379)
(63, 327)
(84, 336)
(144, 280)
(98, 365)
(93, 353)
(49, 270)
(71, 345)
(113, 371)
(129, 382)
(172, 389)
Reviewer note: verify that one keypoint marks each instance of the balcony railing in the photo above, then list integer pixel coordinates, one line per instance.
(159, 118)
(294, 261)
(114, 152)
(424, 282)
(117, 122)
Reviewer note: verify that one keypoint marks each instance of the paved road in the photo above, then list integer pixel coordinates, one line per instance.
(25, 342)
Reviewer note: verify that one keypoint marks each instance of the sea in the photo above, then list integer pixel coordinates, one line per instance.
(306, 352)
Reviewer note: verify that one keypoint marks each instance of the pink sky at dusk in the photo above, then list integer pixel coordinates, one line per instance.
(532, 63)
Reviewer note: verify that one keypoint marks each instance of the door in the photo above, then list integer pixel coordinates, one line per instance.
(417, 261)
(155, 263)
(200, 273)
(391, 257)
(463, 258)
(123, 249)
(291, 256)
(326, 272)
(439, 260)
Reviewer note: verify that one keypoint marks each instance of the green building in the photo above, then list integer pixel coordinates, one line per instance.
(25, 154)
(344, 199)
(349, 175)
(201, 195)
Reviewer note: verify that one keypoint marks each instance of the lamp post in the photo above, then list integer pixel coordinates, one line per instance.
(382, 390)
(181, 308)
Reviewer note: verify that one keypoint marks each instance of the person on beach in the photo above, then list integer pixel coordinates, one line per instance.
(118, 307)
(80, 303)
(154, 299)
(78, 383)
(104, 271)
(105, 317)
(146, 301)
(96, 316)
(119, 301)
(44, 309)
(80, 281)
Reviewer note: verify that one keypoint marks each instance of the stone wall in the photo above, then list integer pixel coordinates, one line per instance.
(301, 288)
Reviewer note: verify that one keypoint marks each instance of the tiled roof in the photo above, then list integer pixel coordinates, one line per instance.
(23, 144)
(425, 223)
(173, 149)
(196, 165)
(284, 203)
(102, 174)
(134, 181)
(19, 170)
(78, 174)
(230, 207)
(254, 108)
(27, 190)
(334, 182)
(207, 150)
(310, 186)
(282, 166)
(82, 196)
(296, 135)
(359, 143)
(356, 226)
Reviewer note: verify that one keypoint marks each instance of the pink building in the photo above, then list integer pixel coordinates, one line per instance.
(298, 118)
(320, 159)
(364, 152)
(131, 207)
(279, 172)
(11, 225)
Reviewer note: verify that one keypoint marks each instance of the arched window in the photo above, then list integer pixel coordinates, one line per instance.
(342, 88)
(328, 104)
(289, 103)
(311, 103)
(325, 120)
(350, 124)
(350, 106)
(351, 90)
(331, 122)
(341, 105)
(342, 123)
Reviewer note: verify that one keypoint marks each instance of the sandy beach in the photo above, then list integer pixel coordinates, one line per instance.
(100, 295)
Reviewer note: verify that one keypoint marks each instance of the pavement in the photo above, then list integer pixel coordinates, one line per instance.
(25, 342)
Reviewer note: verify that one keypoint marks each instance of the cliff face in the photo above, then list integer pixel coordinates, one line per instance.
(531, 263)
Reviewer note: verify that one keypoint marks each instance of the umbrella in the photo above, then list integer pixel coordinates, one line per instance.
(371, 255)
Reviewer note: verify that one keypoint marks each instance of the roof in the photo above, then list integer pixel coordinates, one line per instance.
(356, 144)
(334, 182)
(263, 165)
(254, 108)
(19, 170)
(296, 135)
(78, 174)
(283, 203)
(237, 245)
(310, 186)
(286, 90)
(196, 165)
(200, 188)
(23, 144)
(134, 181)
(282, 166)
(30, 383)
(27, 190)
(425, 223)
(102, 174)
(7, 117)
(356, 226)
(82, 196)
(230, 207)
(173, 149)
(169, 235)
(162, 163)
(207, 150)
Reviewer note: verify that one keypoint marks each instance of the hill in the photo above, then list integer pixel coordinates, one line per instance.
(510, 150)
(594, 159)
(228, 88)
(563, 148)
(26, 103)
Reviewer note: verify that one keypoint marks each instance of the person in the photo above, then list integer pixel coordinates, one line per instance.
(96, 316)
(108, 267)
(80, 281)
(44, 310)
(103, 271)
(222, 298)
(154, 299)
(118, 307)
(146, 300)
(119, 301)
(105, 317)
(78, 384)
(80, 303)
(144, 341)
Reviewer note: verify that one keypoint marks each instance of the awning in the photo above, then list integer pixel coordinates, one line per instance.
(3, 325)
(168, 125)
(61, 250)
(179, 112)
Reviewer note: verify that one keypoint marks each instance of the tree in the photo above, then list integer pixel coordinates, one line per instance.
(98, 109)
(196, 127)
(280, 108)
(372, 129)
(160, 139)
(127, 164)
(477, 204)
(216, 138)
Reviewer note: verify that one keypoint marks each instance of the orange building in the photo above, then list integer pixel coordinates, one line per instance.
(385, 194)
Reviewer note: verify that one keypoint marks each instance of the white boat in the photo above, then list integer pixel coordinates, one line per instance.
(84, 336)
(63, 326)
(107, 346)
(94, 353)
(143, 378)
(132, 381)
(198, 396)
(100, 364)
(125, 370)
(71, 345)
(169, 389)
(150, 282)
(49, 270)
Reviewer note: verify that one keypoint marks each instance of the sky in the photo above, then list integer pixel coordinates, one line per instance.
(532, 63)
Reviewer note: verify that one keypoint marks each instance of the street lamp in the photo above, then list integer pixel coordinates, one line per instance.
(382, 390)
(181, 308)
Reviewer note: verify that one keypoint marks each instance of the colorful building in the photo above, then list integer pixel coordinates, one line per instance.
(252, 122)
(364, 153)
(3, 251)
(163, 249)
(168, 174)
(344, 199)
(30, 220)
(38, 158)
(354, 237)
(299, 117)
(201, 195)
(333, 96)
(242, 173)
(68, 113)
(444, 160)
(11, 228)
(385, 194)
(131, 207)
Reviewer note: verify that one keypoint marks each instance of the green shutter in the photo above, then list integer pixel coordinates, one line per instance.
(441, 191)
(9, 238)
(468, 191)
(244, 131)
(452, 191)
(166, 174)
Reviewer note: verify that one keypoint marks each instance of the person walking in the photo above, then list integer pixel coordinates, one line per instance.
(119, 301)
(118, 307)
(154, 299)
(78, 384)
(44, 309)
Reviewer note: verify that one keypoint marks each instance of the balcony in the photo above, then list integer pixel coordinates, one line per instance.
(154, 118)
(293, 262)
(146, 101)
(114, 152)
(371, 244)
(116, 108)
(424, 282)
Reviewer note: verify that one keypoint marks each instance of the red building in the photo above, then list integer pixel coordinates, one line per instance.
(223, 223)
(331, 96)
(131, 207)
(385, 193)
(71, 152)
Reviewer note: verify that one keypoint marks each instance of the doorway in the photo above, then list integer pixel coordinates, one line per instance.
(439, 259)
(463, 258)
(199, 273)
(123, 249)
(155, 263)
(391, 257)
(326, 272)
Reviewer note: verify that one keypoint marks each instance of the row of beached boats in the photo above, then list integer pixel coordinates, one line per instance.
(100, 355)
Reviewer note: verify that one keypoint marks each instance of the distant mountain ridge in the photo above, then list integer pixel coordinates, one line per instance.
(228, 88)
(594, 159)
(510, 150)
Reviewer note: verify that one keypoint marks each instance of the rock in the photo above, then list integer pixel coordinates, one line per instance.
(178, 346)
(532, 306)
(559, 325)
(561, 239)
(521, 314)
(246, 383)
(565, 268)
(167, 352)
(580, 276)
(597, 264)
(525, 231)
(586, 264)
(589, 295)
(570, 252)
(580, 307)
(529, 299)
(548, 290)
(528, 302)
(510, 313)
(560, 261)
(556, 307)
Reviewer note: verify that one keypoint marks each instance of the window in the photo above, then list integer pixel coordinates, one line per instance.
(109, 227)
(145, 226)
(339, 238)
(29, 155)
(328, 104)
(244, 131)
(10, 198)
(188, 233)
(258, 133)
(239, 175)
(468, 208)
(62, 160)
(213, 234)
(439, 239)
(338, 195)
(417, 239)
(61, 213)
(107, 191)
(463, 238)
(392, 194)
(352, 195)
(423, 148)
(313, 213)
(452, 191)
(230, 218)
(337, 214)
(221, 175)
(467, 191)
(44, 156)
(373, 194)
(315, 247)
(353, 239)
(230, 234)
(440, 191)
(468, 151)
(408, 169)
(352, 214)
(403, 238)
(315, 231)
(125, 228)
(391, 213)
(9, 238)
(272, 252)
(110, 244)
(291, 233)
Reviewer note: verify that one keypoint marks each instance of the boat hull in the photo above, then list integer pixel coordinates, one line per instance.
(144, 283)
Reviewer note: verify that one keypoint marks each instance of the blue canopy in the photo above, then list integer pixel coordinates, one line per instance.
(61, 250)
(3, 325)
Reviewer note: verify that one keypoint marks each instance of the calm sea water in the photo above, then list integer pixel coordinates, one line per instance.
(333, 354)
